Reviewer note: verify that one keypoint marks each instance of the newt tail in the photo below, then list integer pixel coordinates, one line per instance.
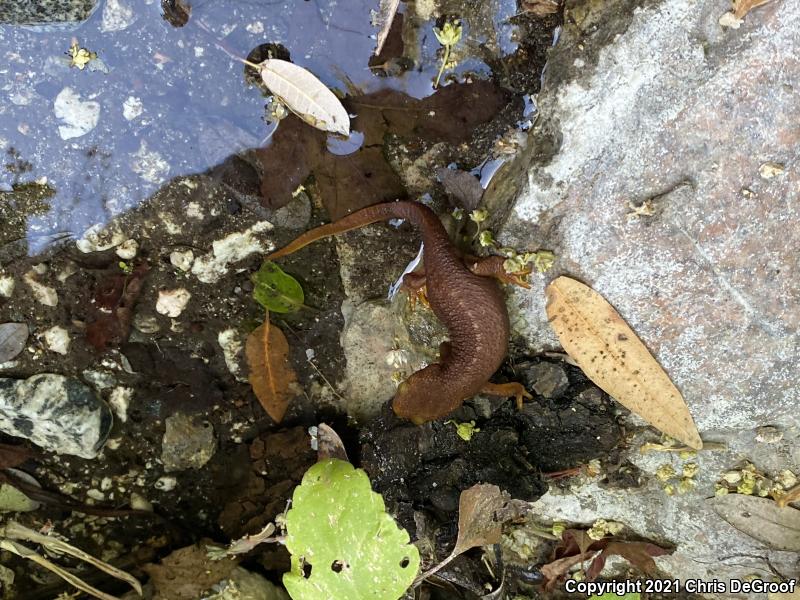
(468, 301)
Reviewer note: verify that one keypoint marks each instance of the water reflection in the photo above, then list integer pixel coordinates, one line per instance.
(171, 102)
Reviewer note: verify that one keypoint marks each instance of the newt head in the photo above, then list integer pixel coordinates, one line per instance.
(424, 397)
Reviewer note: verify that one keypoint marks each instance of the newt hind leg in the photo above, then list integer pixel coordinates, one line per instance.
(507, 389)
(492, 266)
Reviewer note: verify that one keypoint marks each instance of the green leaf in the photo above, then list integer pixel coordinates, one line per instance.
(275, 290)
(339, 528)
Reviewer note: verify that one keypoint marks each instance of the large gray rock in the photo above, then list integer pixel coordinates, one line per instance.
(42, 13)
(58, 413)
(657, 107)
(661, 106)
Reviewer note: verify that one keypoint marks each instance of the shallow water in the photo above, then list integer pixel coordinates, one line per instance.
(173, 102)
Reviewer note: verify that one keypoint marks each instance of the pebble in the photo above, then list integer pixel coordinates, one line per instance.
(127, 249)
(547, 379)
(172, 302)
(182, 259)
(6, 286)
(43, 294)
(166, 483)
(57, 339)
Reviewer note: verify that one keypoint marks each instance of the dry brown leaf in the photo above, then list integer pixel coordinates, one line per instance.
(554, 571)
(639, 554)
(541, 8)
(761, 519)
(329, 444)
(187, 572)
(615, 359)
(742, 7)
(272, 377)
(13, 456)
(477, 521)
(793, 495)
(481, 513)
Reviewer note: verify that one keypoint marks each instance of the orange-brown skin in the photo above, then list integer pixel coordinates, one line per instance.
(472, 308)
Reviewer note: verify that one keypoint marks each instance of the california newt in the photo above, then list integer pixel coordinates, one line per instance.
(465, 297)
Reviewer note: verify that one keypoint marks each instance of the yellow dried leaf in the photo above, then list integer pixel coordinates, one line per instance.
(614, 358)
(793, 495)
(272, 377)
(742, 7)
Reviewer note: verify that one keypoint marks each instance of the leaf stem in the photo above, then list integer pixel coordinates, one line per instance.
(444, 64)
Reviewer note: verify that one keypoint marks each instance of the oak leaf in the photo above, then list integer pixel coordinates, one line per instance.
(272, 377)
(616, 360)
(742, 7)
(761, 519)
(305, 95)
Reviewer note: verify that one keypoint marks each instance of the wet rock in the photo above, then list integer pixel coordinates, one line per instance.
(547, 379)
(188, 443)
(58, 413)
(77, 117)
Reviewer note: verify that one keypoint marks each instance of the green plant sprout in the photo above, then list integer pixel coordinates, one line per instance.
(448, 36)
(344, 545)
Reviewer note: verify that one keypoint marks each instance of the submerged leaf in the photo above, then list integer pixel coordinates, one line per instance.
(305, 95)
(12, 340)
(272, 377)
(762, 519)
(275, 290)
(614, 358)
